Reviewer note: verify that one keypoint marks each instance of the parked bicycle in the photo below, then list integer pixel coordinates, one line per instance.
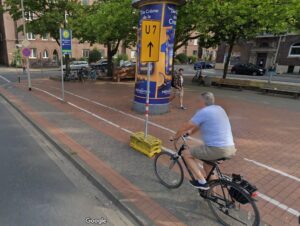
(198, 77)
(230, 198)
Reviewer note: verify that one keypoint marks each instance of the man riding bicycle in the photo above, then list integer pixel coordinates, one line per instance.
(215, 128)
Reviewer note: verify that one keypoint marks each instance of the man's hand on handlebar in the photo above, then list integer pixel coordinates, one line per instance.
(175, 139)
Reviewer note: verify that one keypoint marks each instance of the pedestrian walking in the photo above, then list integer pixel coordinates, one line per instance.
(177, 84)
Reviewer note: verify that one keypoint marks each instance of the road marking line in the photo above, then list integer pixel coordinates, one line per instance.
(167, 129)
(172, 131)
(262, 196)
(5, 79)
(274, 170)
(50, 94)
(127, 114)
(279, 205)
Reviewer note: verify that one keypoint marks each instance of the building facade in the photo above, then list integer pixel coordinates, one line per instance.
(45, 51)
(266, 50)
(192, 49)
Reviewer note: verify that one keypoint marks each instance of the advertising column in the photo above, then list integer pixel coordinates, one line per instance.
(161, 71)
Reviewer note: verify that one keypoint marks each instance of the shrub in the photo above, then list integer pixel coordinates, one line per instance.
(182, 58)
(17, 58)
(192, 59)
(119, 58)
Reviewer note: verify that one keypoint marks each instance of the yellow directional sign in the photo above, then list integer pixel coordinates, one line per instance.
(150, 41)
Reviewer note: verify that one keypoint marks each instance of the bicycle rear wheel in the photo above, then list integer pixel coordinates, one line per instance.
(168, 170)
(227, 209)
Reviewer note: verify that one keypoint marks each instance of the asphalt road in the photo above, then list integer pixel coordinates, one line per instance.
(39, 186)
(189, 71)
(12, 74)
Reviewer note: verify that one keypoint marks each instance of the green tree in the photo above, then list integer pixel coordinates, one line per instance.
(108, 22)
(230, 21)
(295, 25)
(95, 55)
(189, 20)
(46, 16)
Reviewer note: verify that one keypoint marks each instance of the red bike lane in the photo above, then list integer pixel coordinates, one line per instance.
(254, 142)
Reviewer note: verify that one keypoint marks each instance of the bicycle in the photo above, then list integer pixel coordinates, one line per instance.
(230, 198)
(199, 78)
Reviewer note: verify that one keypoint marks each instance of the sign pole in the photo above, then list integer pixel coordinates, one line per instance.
(25, 38)
(150, 53)
(61, 68)
(147, 100)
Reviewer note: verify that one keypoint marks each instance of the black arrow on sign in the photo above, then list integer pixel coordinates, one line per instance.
(150, 46)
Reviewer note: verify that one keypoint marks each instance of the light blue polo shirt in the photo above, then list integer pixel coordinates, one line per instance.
(214, 125)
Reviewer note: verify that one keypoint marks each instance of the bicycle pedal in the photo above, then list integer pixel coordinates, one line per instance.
(203, 194)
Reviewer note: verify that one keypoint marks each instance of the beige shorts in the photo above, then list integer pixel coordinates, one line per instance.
(212, 153)
(178, 92)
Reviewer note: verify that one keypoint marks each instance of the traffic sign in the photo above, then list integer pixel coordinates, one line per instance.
(26, 52)
(25, 43)
(150, 45)
(66, 41)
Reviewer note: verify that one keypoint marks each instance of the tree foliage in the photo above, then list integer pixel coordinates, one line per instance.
(188, 23)
(109, 22)
(95, 55)
(230, 21)
(46, 17)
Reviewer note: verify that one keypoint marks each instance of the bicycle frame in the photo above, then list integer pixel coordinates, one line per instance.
(214, 165)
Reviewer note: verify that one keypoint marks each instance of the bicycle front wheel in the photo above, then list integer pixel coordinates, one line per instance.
(231, 205)
(168, 170)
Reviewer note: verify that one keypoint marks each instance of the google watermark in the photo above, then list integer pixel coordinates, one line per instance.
(97, 221)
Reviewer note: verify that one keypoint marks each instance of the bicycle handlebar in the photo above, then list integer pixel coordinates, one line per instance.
(183, 137)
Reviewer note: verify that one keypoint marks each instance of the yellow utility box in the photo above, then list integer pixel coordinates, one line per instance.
(148, 146)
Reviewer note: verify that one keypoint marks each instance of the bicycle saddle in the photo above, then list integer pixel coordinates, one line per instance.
(217, 161)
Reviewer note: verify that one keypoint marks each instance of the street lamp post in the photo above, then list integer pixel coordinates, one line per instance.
(25, 38)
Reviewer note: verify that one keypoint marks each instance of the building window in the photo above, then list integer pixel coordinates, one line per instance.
(45, 37)
(264, 45)
(30, 36)
(295, 50)
(195, 52)
(28, 16)
(45, 54)
(33, 53)
(195, 42)
(86, 53)
(132, 54)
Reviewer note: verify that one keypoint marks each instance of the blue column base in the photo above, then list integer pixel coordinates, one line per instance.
(154, 109)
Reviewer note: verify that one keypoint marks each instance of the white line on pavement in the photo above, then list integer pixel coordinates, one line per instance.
(5, 79)
(272, 169)
(262, 196)
(279, 205)
(125, 113)
(171, 131)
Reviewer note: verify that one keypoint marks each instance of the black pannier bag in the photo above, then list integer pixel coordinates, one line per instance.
(248, 188)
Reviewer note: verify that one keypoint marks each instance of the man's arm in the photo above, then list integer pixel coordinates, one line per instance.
(188, 127)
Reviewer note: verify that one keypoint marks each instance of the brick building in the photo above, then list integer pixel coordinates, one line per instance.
(284, 50)
(192, 49)
(44, 50)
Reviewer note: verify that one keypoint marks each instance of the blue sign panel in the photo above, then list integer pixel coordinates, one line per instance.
(170, 16)
(66, 41)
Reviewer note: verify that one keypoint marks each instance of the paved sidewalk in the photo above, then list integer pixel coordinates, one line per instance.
(267, 142)
(133, 178)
